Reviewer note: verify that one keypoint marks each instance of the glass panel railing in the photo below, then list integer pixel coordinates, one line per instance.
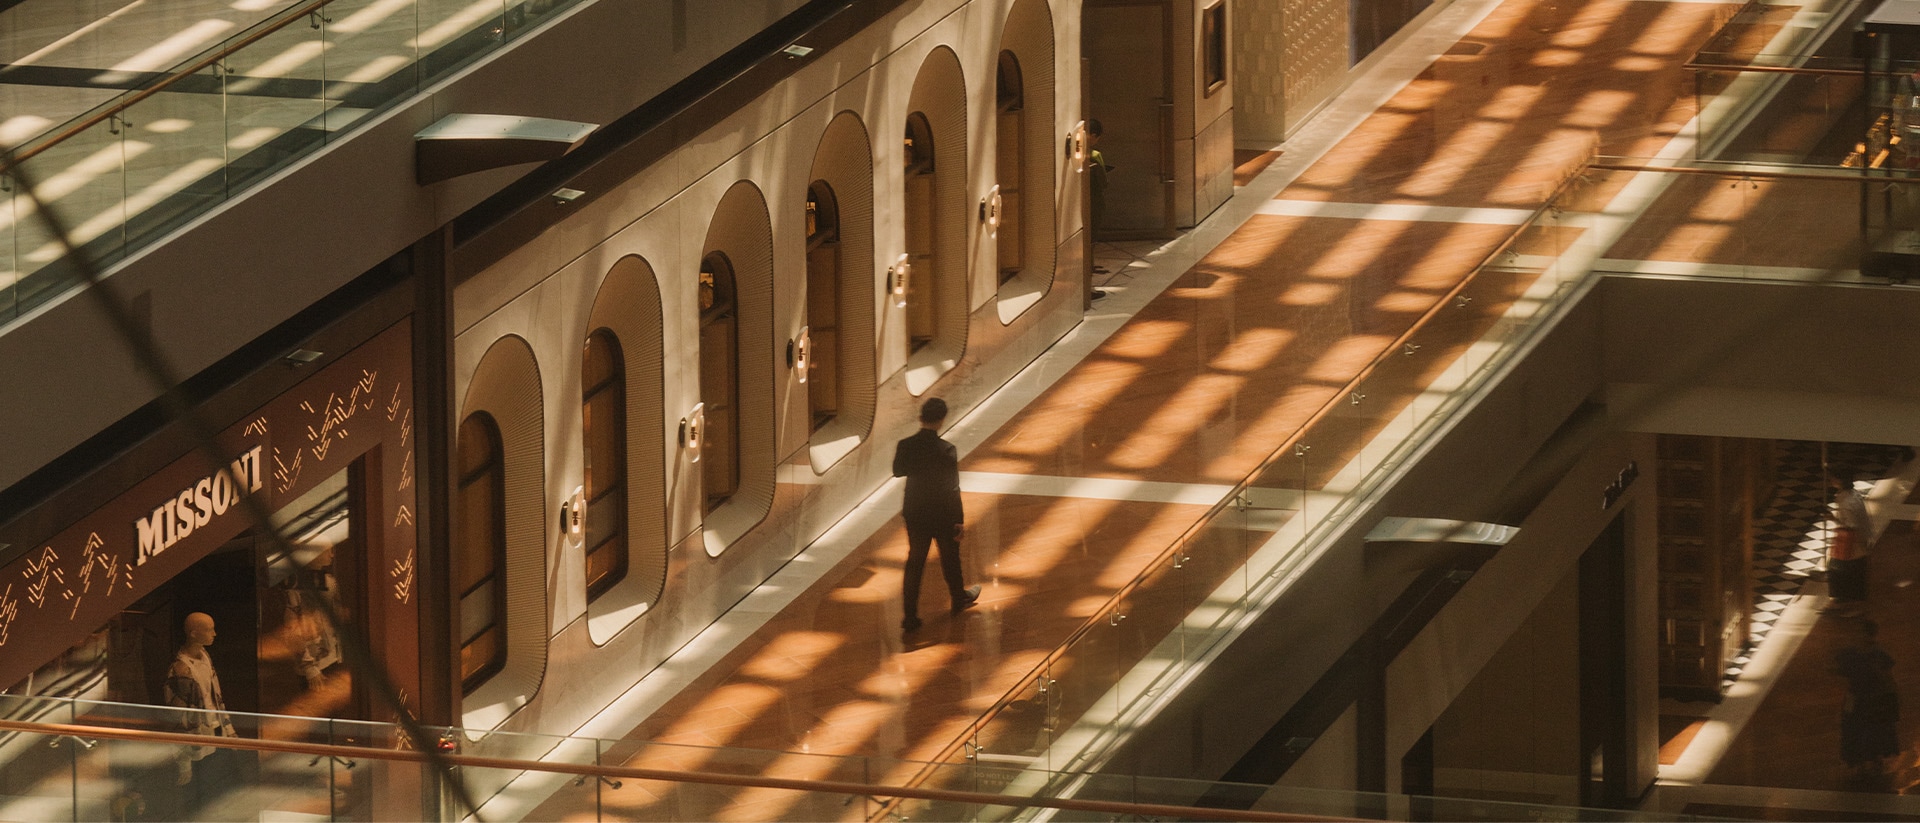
(86, 173)
(63, 759)
(1250, 547)
(1805, 108)
(182, 140)
(1771, 221)
(176, 154)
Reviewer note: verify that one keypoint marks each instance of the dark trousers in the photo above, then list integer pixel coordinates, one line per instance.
(213, 776)
(1847, 579)
(918, 536)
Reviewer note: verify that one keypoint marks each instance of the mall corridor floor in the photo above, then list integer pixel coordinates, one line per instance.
(1075, 485)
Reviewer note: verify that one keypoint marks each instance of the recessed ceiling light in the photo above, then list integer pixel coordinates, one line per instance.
(301, 357)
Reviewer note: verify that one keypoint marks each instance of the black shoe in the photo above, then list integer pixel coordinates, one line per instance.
(910, 625)
(967, 599)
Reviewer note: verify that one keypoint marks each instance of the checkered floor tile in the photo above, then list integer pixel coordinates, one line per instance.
(1790, 535)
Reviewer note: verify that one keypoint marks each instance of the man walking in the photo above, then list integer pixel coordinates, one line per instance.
(932, 510)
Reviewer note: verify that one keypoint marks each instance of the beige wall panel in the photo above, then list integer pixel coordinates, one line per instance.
(628, 305)
(545, 293)
(845, 160)
(1315, 58)
(1290, 56)
(1260, 102)
(940, 93)
(1327, 764)
(1213, 166)
(1029, 34)
(507, 387)
(742, 230)
(1515, 731)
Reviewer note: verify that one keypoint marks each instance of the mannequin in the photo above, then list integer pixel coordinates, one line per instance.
(193, 684)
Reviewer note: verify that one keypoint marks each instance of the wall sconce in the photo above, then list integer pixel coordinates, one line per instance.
(573, 517)
(898, 275)
(990, 211)
(798, 350)
(1077, 147)
(693, 431)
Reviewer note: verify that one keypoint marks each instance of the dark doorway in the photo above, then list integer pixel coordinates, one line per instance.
(1128, 47)
(1604, 729)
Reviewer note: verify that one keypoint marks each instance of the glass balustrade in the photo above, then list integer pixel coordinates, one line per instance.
(178, 142)
(83, 760)
(1247, 550)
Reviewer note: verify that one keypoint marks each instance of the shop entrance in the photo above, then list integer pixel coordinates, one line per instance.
(275, 651)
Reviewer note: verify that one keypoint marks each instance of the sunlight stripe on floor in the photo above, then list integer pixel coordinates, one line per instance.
(1402, 212)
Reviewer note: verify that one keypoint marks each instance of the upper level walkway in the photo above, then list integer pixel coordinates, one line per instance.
(131, 119)
(1177, 453)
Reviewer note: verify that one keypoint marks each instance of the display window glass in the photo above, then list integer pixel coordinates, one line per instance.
(480, 549)
(276, 651)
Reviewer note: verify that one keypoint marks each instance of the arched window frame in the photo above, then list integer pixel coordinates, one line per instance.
(1010, 167)
(922, 226)
(480, 535)
(719, 363)
(603, 433)
(823, 304)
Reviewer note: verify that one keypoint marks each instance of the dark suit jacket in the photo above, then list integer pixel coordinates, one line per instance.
(932, 469)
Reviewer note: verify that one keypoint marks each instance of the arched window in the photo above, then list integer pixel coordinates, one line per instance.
(480, 550)
(922, 226)
(719, 378)
(603, 419)
(823, 302)
(1010, 147)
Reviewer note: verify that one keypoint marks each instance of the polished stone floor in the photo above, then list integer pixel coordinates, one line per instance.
(1202, 357)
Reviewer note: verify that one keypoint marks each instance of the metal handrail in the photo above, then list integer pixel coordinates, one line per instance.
(11, 159)
(1695, 65)
(1839, 173)
(1154, 810)
(1336, 400)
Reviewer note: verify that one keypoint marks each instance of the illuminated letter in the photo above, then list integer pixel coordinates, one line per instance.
(222, 492)
(252, 459)
(242, 479)
(173, 523)
(183, 515)
(153, 534)
(202, 501)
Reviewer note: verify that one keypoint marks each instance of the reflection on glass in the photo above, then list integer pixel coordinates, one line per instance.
(298, 79)
(299, 650)
(480, 549)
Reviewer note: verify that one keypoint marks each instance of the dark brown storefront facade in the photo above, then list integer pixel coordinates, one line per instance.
(95, 610)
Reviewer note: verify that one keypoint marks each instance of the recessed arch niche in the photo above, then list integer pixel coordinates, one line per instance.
(1026, 129)
(840, 261)
(506, 387)
(936, 216)
(741, 236)
(628, 307)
